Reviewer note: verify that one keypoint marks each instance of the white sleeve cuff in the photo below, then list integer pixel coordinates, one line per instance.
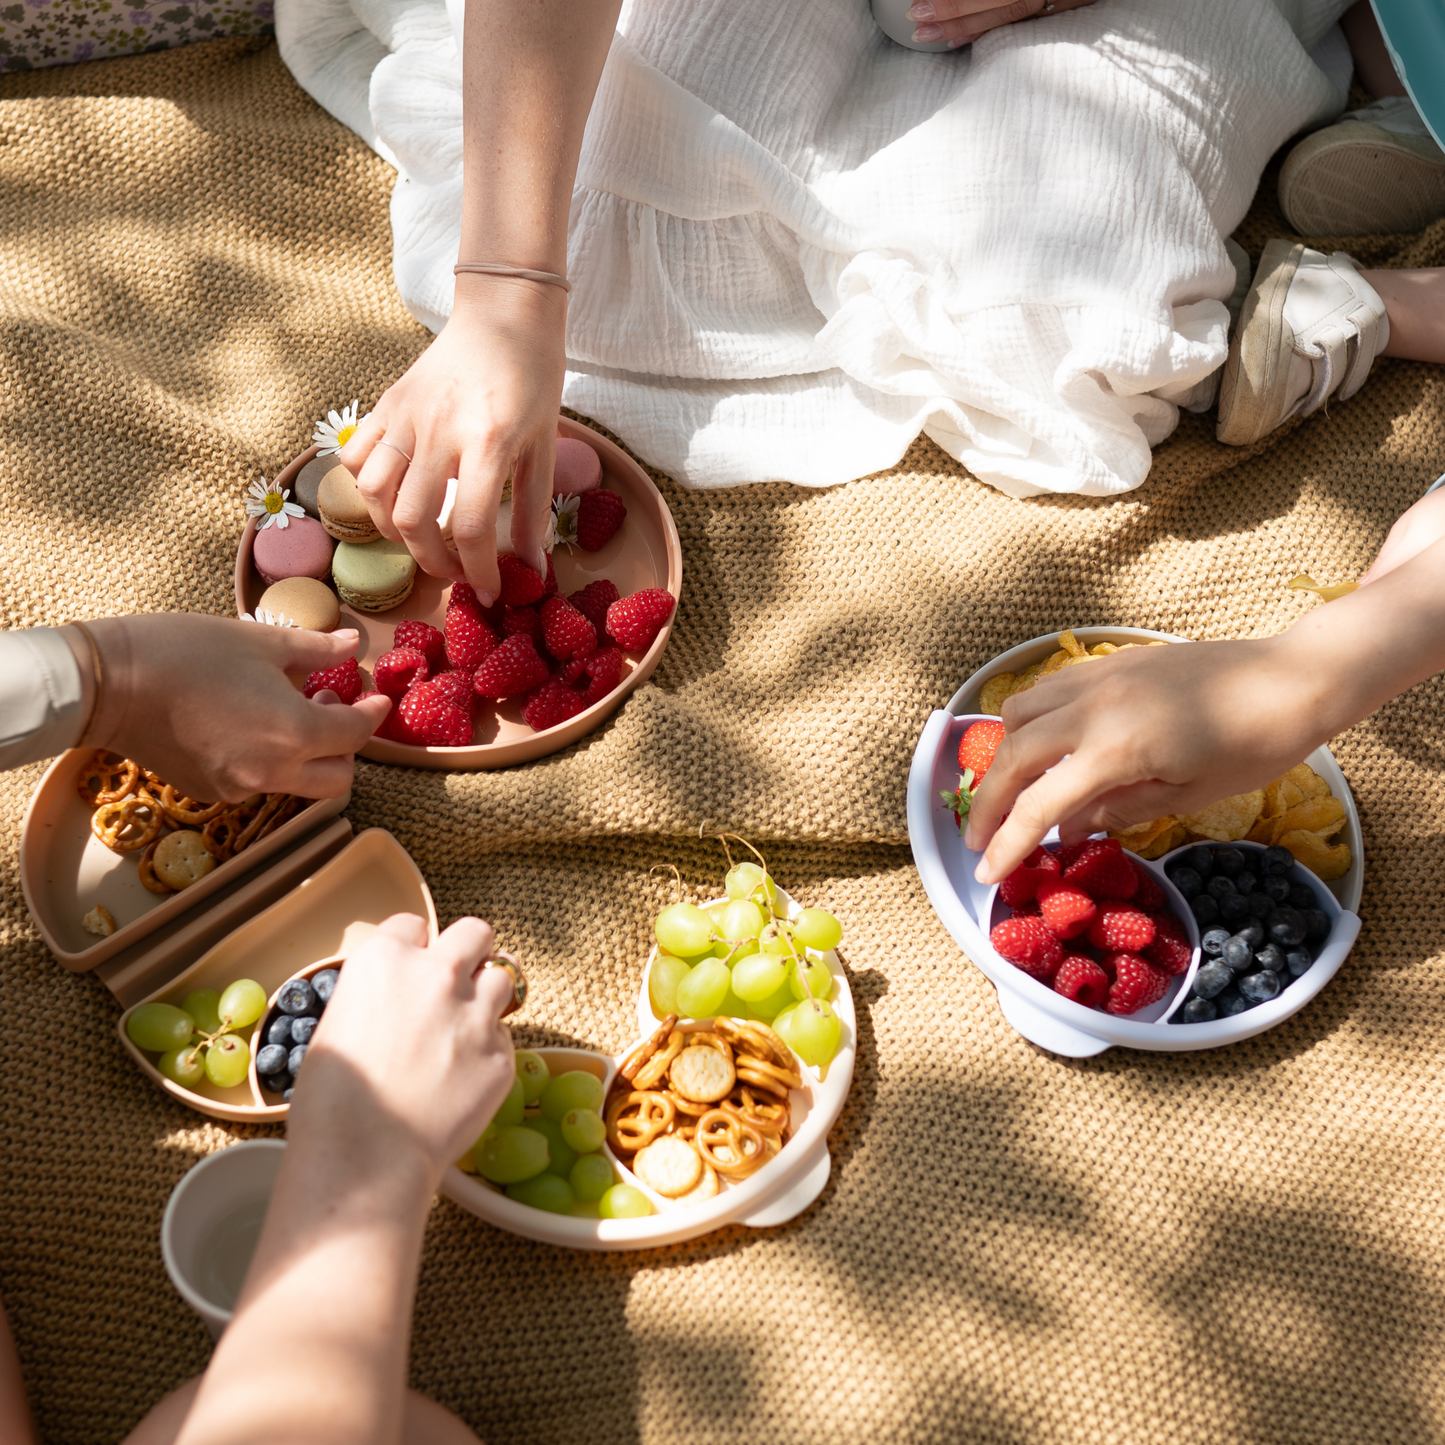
(40, 696)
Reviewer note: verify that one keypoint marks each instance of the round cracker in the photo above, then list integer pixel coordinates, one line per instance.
(669, 1165)
(182, 859)
(703, 1075)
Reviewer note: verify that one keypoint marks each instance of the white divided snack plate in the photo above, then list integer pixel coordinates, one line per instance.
(1044, 1017)
(778, 1192)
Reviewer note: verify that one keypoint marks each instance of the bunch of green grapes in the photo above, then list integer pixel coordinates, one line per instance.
(544, 1146)
(199, 1040)
(745, 959)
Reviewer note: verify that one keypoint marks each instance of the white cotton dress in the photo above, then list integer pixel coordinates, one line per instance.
(796, 245)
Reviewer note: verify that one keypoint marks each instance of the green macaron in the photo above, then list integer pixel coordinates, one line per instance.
(373, 576)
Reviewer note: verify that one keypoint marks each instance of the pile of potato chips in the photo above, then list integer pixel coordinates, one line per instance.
(997, 690)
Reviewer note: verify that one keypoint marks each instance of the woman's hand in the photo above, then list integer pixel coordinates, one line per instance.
(479, 405)
(210, 704)
(961, 21)
(1415, 529)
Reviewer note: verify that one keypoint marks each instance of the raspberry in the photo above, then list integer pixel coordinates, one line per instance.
(510, 669)
(384, 727)
(397, 670)
(1102, 870)
(344, 680)
(517, 620)
(1082, 980)
(1120, 928)
(633, 621)
(594, 600)
(599, 515)
(1022, 885)
(1136, 984)
(463, 594)
(604, 668)
(1066, 910)
(1068, 853)
(1169, 951)
(521, 585)
(565, 630)
(1148, 895)
(425, 638)
(433, 720)
(457, 688)
(551, 589)
(469, 639)
(552, 703)
(1027, 944)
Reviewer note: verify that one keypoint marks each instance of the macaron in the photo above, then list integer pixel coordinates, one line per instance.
(342, 510)
(578, 468)
(373, 576)
(304, 601)
(299, 549)
(308, 483)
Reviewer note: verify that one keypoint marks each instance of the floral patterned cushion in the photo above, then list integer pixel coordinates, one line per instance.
(60, 32)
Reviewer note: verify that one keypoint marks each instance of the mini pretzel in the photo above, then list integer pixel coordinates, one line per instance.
(281, 816)
(750, 1036)
(107, 782)
(711, 1039)
(766, 1116)
(688, 1108)
(639, 1054)
(652, 1073)
(636, 1118)
(733, 1148)
(127, 825)
(769, 1077)
(221, 832)
(186, 811)
(268, 811)
(704, 1074)
(148, 871)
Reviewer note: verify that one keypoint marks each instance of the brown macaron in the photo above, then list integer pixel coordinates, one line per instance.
(342, 509)
(304, 601)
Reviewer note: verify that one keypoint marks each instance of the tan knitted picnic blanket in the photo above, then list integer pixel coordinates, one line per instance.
(1244, 1245)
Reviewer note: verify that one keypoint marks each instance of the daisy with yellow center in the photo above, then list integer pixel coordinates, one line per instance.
(268, 619)
(564, 520)
(338, 429)
(269, 506)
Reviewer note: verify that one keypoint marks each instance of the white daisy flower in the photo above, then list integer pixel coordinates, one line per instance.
(563, 526)
(269, 505)
(338, 429)
(269, 619)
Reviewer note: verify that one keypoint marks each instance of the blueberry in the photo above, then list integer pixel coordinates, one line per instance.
(271, 1059)
(1187, 881)
(1252, 932)
(1286, 926)
(1317, 924)
(1278, 888)
(1200, 859)
(277, 1083)
(1259, 987)
(1204, 909)
(286, 1097)
(1278, 861)
(1219, 886)
(279, 1030)
(1231, 1002)
(1237, 954)
(1213, 942)
(297, 998)
(1211, 980)
(1228, 861)
(1271, 956)
(296, 1058)
(324, 982)
(302, 1029)
(1245, 881)
(1301, 895)
(1259, 905)
(1297, 960)
(1233, 910)
(1197, 1011)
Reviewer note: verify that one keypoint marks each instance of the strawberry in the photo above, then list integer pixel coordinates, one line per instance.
(510, 669)
(456, 687)
(1120, 928)
(1102, 870)
(1027, 944)
(604, 668)
(397, 670)
(594, 600)
(633, 621)
(522, 619)
(425, 639)
(599, 515)
(976, 751)
(1136, 984)
(552, 703)
(1021, 886)
(433, 720)
(1082, 980)
(566, 631)
(468, 638)
(344, 680)
(521, 585)
(1067, 911)
(1148, 895)
(1169, 951)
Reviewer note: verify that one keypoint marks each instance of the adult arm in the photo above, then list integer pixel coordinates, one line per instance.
(481, 403)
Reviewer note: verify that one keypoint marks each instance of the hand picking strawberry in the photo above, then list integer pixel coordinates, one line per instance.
(976, 752)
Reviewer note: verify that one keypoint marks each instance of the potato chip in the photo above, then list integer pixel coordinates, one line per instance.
(1072, 645)
(1164, 843)
(1103, 649)
(1326, 862)
(995, 692)
(1054, 663)
(1141, 835)
(1228, 820)
(1309, 782)
(1323, 816)
(1305, 583)
(1263, 830)
(1280, 796)
(1027, 678)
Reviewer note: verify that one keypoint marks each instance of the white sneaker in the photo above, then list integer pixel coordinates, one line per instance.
(1375, 170)
(1310, 330)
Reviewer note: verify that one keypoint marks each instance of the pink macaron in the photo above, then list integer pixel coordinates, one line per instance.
(300, 549)
(578, 468)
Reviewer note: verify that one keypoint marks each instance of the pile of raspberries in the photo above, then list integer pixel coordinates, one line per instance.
(561, 654)
(1093, 924)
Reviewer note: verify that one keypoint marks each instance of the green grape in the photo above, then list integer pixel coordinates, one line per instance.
(769, 1008)
(817, 928)
(776, 938)
(544, 1191)
(721, 949)
(202, 1005)
(585, 1209)
(783, 1022)
(562, 1155)
(815, 1032)
(242, 1003)
(757, 977)
(575, 1089)
(227, 1061)
(733, 1006)
(742, 879)
(160, 1027)
(184, 1066)
(739, 951)
(818, 979)
(739, 919)
(684, 929)
(509, 1111)
(532, 1070)
(701, 993)
(591, 1178)
(667, 972)
(622, 1201)
(511, 1155)
(584, 1130)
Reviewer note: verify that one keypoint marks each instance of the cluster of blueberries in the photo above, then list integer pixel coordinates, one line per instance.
(288, 1031)
(1259, 931)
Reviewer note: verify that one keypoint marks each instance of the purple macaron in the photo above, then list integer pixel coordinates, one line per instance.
(300, 549)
